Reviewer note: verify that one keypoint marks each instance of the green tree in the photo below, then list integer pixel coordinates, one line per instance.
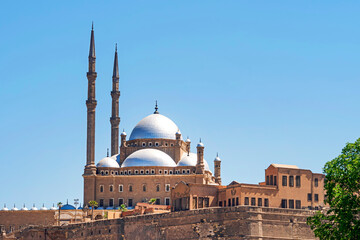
(59, 204)
(152, 201)
(342, 186)
(123, 208)
(93, 204)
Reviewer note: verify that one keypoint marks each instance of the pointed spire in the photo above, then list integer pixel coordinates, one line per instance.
(116, 64)
(107, 154)
(156, 108)
(92, 43)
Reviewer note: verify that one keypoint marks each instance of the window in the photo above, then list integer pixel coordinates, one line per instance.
(156, 144)
(237, 201)
(253, 201)
(112, 172)
(176, 171)
(143, 144)
(167, 201)
(121, 173)
(125, 172)
(316, 182)
(309, 197)
(144, 187)
(101, 188)
(165, 171)
(224, 203)
(157, 202)
(284, 180)
(130, 188)
(170, 172)
(291, 203)
(316, 197)
(206, 202)
(233, 202)
(141, 171)
(291, 181)
(130, 202)
(283, 203)
(147, 171)
(259, 202)
(166, 144)
(158, 188)
(188, 171)
(266, 202)
(275, 183)
(201, 202)
(167, 187)
(246, 202)
(160, 171)
(229, 202)
(220, 203)
(271, 180)
(152, 171)
(106, 172)
(267, 180)
(121, 201)
(116, 173)
(150, 144)
(102, 172)
(172, 145)
(129, 172)
(183, 171)
(195, 206)
(111, 202)
(298, 183)
(121, 188)
(136, 172)
(298, 204)
(111, 188)
(101, 203)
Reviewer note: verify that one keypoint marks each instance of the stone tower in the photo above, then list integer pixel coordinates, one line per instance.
(90, 168)
(115, 119)
(200, 166)
(217, 168)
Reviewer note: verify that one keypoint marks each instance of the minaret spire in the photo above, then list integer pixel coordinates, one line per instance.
(90, 168)
(156, 108)
(115, 119)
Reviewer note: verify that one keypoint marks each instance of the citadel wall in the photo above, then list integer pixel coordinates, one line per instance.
(240, 222)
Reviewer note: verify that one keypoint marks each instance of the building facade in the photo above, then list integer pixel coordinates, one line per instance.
(150, 162)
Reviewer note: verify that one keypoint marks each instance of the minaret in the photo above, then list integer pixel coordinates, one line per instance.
(217, 168)
(200, 166)
(115, 119)
(90, 168)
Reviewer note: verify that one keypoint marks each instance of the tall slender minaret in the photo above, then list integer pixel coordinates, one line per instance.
(115, 119)
(90, 168)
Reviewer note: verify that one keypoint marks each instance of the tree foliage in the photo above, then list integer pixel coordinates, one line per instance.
(342, 187)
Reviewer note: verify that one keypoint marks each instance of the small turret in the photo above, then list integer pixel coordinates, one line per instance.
(188, 143)
(200, 166)
(123, 138)
(217, 168)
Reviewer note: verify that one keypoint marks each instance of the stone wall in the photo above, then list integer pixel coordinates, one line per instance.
(213, 223)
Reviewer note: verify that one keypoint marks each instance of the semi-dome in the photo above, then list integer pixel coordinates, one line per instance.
(155, 126)
(108, 162)
(191, 160)
(148, 157)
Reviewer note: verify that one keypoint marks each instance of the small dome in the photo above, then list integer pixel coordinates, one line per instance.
(148, 157)
(68, 207)
(53, 207)
(24, 208)
(200, 144)
(123, 133)
(191, 160)
(5, 208)
(34, 208)
(217, 158)
(43, 207)
(14, 208)
(155, 126)
(108, 162)
(188, 140)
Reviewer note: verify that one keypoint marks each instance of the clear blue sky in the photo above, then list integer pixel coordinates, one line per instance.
(260, 82)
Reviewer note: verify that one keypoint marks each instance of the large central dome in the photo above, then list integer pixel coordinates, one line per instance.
(154, 126)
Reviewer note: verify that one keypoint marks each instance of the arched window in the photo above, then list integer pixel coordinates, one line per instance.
(158, 188)
(144, 188)
(130, 188)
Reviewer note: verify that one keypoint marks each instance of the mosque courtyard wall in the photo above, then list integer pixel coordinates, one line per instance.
(240, 222)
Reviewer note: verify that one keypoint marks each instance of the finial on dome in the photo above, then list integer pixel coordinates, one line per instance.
(67, 201)
(92, 25)
(107, 153)
(156, 108)
(217, 154)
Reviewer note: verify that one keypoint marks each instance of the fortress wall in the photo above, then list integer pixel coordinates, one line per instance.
(241, 222)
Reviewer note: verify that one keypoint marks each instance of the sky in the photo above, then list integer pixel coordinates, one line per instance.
(259, 82)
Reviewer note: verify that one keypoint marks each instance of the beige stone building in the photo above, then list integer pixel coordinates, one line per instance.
(150, 162)
(285, 186)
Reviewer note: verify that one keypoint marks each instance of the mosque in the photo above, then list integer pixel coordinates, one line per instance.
(150, 162)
